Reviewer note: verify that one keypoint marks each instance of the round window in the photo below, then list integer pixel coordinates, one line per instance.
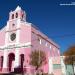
(12, 36)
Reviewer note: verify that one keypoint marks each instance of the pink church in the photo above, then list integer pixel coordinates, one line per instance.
(18, 38)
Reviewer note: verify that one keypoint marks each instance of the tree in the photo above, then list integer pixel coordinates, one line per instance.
(37, 58)
(70, 56)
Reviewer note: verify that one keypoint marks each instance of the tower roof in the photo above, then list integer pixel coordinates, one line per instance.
(18, 8)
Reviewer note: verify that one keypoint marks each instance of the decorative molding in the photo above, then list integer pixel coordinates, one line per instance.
(13, 30)
(16, 46)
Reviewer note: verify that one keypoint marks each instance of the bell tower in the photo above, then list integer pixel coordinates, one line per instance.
(17, 14)
(12, 36)
(13, 25)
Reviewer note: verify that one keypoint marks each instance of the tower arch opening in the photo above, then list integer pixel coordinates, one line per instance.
(12, 16)
(16, 15)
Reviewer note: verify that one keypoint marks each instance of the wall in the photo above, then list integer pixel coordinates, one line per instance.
(69, 70)
(41, 42)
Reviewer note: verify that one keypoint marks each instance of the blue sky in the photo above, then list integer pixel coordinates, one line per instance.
(51, 18)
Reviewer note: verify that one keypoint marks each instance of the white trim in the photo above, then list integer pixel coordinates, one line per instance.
(11, 46)
(7, 26)
(6, 35)
(74, 68)
(40, 41)
(6, 43)
(5, 59)
(50, 47)
(50, 65)
(16, 62)
(63, 65)
(46, 44)
(18, 31)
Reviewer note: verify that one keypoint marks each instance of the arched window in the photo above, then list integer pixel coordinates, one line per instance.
(16, 15)
(12, 16)
(22, 15)
(11, 58)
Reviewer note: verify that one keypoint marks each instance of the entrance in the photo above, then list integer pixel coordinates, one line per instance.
(1, 59)
(20, 68)
(11, 58)
(22, 61)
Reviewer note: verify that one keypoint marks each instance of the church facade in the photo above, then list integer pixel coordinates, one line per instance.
(18, 38)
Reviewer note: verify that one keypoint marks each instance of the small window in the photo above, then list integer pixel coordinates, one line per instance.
(46, 44)
(22, 15)
(16, 15)
(50, 46)
(12, 16)
(40, 41)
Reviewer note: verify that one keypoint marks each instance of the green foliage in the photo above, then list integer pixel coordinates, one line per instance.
(37, 58)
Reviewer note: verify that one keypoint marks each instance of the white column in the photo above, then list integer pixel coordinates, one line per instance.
(74, 68)
(5, 51)
(17, 62)
(18, 32)
(63, 66)
(50, 66)
(5, 60)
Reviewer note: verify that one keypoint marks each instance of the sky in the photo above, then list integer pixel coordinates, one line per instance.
(55, 20)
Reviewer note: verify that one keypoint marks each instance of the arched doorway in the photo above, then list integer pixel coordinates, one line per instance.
(11, 57)
(22, 61)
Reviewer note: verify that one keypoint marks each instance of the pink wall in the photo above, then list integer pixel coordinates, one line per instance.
(50, 52)
(25, 34)
(2, 37)
(29, 34)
